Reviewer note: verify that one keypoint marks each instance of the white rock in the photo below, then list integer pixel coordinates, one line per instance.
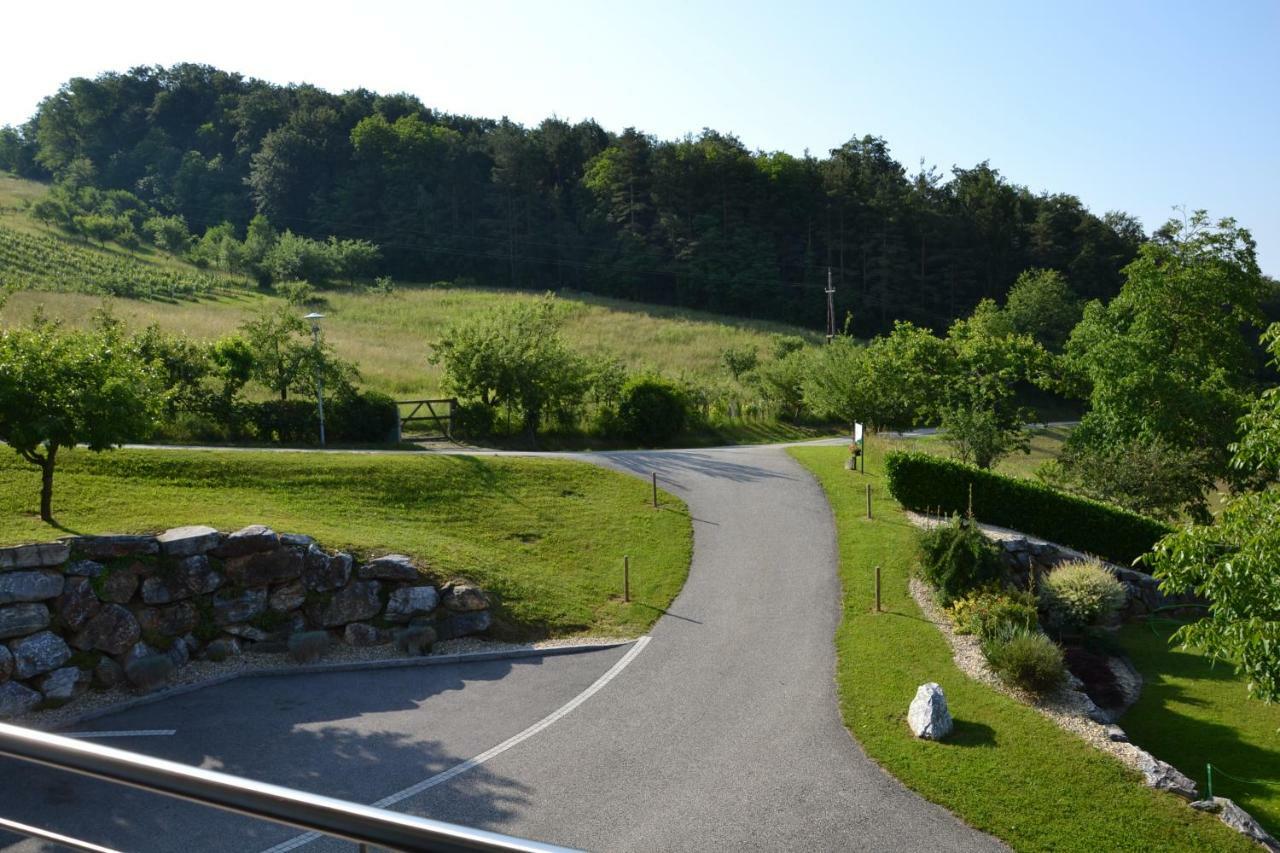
(928, 715)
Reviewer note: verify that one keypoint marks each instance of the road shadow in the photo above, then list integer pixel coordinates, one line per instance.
(312, 732)
(670, 465)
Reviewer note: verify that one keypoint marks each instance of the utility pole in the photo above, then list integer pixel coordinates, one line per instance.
(831, 307)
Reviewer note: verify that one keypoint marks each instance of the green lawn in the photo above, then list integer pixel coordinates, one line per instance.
(1193, 712)
(1006, 770)
(1046, 444)
(546, 536)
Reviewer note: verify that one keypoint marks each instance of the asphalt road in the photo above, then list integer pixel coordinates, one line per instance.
(723, 732)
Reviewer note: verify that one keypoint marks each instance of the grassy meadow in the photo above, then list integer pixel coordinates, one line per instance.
(546, 536)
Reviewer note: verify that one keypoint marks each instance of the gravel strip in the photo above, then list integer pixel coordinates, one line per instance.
(205, 673)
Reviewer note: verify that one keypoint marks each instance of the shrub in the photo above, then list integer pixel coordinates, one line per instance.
(1025, 659)
(957, 559)
(1079, 594)
(366, 417)
(416, 639)
(288, 421)
(919, 481)
(473, 421)
(308, 646)
(148, 673)
(987, 613)
(652, 410)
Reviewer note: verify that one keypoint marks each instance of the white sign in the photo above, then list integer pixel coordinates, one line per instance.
(857, 432)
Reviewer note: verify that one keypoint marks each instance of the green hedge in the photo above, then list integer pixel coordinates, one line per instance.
(919, 481)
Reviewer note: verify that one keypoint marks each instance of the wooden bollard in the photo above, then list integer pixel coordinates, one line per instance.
(868, 500)
(655, 489)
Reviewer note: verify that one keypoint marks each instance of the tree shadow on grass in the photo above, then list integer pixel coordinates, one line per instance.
(970, 733)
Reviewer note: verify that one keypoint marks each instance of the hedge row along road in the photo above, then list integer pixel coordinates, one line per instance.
(723, 732)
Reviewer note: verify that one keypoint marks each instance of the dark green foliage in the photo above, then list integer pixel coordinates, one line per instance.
(473, 421)
(701, 222)
(415, 639)
(308, 646)
(148, 673)
(921, 482)
(365, 417)
(957, 559)
(1026, 659)
(286, 421)
(652, 410)
(84, 660)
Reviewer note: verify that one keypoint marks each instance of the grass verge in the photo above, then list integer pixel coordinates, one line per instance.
(1193, 712)
(546, 536)
(1006, 769)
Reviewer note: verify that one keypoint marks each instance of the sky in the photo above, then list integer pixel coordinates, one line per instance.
(1133, 106)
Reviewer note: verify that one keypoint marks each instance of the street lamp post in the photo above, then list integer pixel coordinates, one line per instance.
(315, 342)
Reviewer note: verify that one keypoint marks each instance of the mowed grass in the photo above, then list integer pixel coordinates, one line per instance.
(1193, 712)
(1006, 769)
(546, 536)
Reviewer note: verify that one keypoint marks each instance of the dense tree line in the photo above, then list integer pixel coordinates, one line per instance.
(701, 221)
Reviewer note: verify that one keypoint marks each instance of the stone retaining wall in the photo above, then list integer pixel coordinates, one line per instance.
(78, 612)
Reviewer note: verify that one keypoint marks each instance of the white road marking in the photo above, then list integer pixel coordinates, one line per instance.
(458, 769)
(136, 733)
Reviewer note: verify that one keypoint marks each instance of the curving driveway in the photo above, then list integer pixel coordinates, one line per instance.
(722, 733)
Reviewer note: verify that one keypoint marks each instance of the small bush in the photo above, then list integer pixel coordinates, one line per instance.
(416, 639)
(957, 559)
(1025, 659)
(919, 481)
(987, 613)
(473, 421)
(1079, 594)
(148, 673)
(308, 646)
(652, 410)
(366, 417)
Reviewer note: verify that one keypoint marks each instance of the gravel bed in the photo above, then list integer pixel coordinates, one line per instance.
(1068, 706)
(204, 673)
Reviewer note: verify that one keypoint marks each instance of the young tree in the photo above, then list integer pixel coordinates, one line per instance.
(1168, 359)
(1041, 304)
(1232, 562)
(169, 233)
(512, 355)
(285, 357)
(739, 361)
(61, 388)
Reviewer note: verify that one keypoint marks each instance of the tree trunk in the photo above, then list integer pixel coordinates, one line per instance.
(46, 484)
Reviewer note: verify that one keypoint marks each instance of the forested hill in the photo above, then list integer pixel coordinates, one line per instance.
(702, 221)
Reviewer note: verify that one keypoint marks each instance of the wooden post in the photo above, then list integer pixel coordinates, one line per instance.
(655, 489)
(626, 578)
(877, 589)
(868, 500)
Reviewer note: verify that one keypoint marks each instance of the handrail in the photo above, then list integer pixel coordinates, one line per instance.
(327, 815)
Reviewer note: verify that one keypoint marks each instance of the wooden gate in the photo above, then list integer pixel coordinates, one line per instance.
(434, 415)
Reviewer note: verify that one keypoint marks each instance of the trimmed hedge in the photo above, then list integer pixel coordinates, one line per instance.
(921, 482)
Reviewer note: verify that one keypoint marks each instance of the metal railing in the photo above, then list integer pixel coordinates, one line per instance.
(364, 825)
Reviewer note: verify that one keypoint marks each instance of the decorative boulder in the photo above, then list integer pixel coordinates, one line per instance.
(114, 631)
(1164, 777)
(928, 715)
(221, 649)
(470, 622)
(297, 540)
(38, 654)
(34, 556)
(18, 620)
(118, 586)
(78, 603)
(392, 567)
(17, 699)
(172, 621)
(322, 573)
(107, 673)
(241, 608)
(63, 685)
(266, 567)
(357, 602)
(248, 540)
(288, 597)
(410, 601)
(29, 586)
(188, 541)
(462, 597)
(1239, 820)
(360, 634)
(113, 546)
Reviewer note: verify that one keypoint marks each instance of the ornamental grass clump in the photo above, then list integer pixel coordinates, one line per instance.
(957, 559)
(1025, 659)
(1079, 594)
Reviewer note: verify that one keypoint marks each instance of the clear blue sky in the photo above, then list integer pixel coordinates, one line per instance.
(1136, 106)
